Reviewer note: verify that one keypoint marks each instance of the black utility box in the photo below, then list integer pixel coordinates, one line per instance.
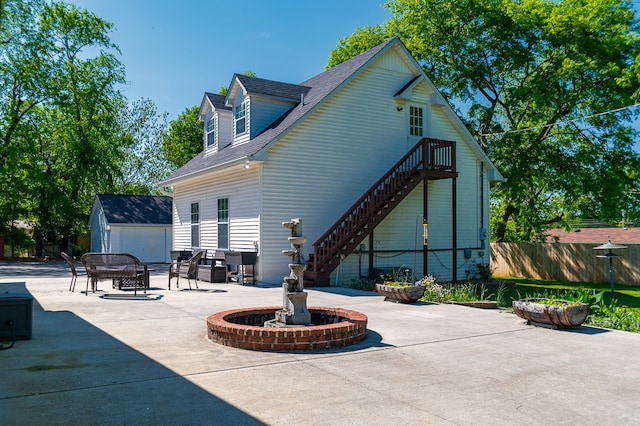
(16, 311)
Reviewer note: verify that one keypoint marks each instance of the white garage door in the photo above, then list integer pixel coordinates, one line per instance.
(147, 244)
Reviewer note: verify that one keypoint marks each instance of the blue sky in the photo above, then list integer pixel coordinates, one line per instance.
(174, 51)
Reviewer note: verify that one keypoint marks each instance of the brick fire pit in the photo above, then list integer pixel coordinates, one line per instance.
(243, 329)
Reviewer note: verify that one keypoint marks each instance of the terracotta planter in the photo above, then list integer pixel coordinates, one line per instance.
(536, 312)
(393, 293)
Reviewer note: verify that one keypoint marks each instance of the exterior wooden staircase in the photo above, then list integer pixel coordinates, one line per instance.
(428, 159)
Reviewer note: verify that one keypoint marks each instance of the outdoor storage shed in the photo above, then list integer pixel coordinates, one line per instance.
(136, 224)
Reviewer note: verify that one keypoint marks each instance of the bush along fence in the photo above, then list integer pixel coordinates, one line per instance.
(565, 262)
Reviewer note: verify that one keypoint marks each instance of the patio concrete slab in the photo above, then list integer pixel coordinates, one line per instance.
(101, 361)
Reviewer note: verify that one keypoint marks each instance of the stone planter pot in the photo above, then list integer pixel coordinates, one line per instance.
(539, 313)
(393, 293)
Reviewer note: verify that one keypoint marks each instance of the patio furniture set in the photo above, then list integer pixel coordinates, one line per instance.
(127, 272)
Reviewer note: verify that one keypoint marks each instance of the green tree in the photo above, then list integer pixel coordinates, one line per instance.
(538, 81)
(81, 112)
(59, 125)
(20, 65)
(145, 165)
(184, 140)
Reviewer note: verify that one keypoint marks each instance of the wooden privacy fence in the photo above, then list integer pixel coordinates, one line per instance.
(565, 262)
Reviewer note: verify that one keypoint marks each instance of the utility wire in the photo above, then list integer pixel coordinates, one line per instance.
(573, 120)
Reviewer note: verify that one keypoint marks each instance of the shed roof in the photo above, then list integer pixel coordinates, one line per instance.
(595, 235)
(136, 209)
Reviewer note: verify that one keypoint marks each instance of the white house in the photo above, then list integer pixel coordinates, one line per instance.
(367, 154)
(135, 224)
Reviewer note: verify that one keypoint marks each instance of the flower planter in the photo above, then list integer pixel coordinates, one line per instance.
(537, 312)
(393, 293)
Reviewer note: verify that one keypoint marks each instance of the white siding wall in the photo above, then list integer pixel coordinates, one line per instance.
(326, 163)
(264, 112)
(241, 187)
(224, 135)
(223, 132)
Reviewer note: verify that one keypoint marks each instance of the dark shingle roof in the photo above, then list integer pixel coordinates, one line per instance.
(261, 86)
(139, 209)
(216, 100)
(319, 87)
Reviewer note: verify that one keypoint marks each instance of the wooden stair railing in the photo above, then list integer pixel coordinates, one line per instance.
(355, 225)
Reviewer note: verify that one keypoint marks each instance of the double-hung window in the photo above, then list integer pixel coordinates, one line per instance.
(223, 223)
(240, 114)
(211, 131)
(416, 121)
(195, 224)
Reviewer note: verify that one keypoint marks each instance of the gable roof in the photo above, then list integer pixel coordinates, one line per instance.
(135, 209)
(216, 100)
(270, 88)
(318, 90)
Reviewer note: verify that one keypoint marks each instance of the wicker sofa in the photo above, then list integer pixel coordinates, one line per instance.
(124, 269)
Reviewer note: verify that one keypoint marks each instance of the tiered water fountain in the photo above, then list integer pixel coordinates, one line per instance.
(293, 326)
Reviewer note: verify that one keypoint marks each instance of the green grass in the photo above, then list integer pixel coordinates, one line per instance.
(624, 295)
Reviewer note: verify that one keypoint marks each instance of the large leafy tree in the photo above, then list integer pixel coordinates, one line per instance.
(66, 131)
(184, 140)
(549, 87)
(145, 164)
(79, 153)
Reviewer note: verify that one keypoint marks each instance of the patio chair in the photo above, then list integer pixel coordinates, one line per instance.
(188, 268)
(74, 272)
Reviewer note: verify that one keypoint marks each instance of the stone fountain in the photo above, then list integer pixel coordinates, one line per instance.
(294, 310)
(293, 326)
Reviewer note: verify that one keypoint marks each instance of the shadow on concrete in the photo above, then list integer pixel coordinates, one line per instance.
(373, 340)
(345, 291)
(202, 290)
(139, 296)
(586, 329)
(74, 373)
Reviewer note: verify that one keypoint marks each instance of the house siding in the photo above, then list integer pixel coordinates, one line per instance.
(327, 160)
(324, 165)
(223, 133)
(340, 153)
(264, 112)
(241, 187)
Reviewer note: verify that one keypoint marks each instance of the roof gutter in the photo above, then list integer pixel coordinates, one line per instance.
(228, 164)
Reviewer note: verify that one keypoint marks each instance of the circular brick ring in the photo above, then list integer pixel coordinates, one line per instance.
(243, 329)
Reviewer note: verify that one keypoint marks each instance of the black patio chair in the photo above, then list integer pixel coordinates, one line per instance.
(188, 268)
(74, 272)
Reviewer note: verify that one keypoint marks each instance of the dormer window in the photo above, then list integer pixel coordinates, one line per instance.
(211, 132)
(240, 114)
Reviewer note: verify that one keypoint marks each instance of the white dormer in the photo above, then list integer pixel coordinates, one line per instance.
(258, 103)
(217, 123)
